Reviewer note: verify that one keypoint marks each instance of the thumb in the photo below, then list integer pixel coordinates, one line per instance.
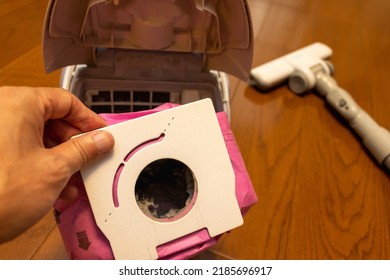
(80, 150)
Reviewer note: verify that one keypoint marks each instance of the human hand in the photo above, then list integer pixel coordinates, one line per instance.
(37, 156)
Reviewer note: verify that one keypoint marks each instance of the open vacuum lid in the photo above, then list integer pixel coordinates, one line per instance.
(219, 30)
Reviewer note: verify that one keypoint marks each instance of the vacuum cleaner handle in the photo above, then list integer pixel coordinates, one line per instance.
(375, 137)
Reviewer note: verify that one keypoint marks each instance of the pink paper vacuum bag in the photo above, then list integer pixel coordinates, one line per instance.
(84, 240)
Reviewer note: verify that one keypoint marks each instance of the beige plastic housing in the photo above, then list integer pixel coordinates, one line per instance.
(219, 31)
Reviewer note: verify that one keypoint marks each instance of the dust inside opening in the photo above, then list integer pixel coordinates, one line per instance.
(165, 190)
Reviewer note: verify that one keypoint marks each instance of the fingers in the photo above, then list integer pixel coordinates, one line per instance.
(61, 104)
(60, 131)
(77, 152)
(71, 190)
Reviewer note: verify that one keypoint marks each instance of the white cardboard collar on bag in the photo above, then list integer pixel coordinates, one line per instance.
(191, 135)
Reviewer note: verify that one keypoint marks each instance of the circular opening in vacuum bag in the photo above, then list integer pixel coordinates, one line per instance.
(166, 190)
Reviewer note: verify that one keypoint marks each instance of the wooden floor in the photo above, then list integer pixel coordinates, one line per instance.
(321, 194)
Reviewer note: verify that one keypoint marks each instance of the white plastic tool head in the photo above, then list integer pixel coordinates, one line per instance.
(189, 134)
(279, 70)
(306, 68)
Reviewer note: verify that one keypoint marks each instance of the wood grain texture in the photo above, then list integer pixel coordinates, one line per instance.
(321, 194)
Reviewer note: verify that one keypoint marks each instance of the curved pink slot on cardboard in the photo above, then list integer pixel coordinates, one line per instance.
(126, 159)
